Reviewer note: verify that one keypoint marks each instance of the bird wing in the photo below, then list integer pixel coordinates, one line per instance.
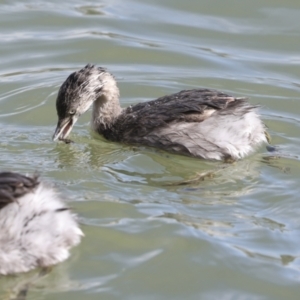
(185, 106)
(14, 185)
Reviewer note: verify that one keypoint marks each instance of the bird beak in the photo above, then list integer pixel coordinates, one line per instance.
(64, 127)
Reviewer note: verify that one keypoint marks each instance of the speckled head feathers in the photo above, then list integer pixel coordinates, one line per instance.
(80, 90)
(80, 87)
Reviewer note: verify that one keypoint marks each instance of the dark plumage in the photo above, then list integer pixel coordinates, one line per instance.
(14, 185)
(186, 106)
(201, 122)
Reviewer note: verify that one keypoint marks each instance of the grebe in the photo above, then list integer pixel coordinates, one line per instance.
(36, 227)
(200, 123)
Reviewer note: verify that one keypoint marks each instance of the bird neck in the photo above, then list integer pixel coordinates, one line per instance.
(106, 109)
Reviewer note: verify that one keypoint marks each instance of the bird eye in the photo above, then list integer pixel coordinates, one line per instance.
(72, 112)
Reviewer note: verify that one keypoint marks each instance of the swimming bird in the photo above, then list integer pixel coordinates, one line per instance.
(201, 123)
(36, 228)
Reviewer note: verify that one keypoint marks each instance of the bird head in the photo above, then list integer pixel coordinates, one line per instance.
(75, 96)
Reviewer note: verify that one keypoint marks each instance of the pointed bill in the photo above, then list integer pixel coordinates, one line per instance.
(64, 127)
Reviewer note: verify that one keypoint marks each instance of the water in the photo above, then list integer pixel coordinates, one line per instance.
(234, 235)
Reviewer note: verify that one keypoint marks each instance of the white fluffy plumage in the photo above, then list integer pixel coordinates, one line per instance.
(36, 227)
